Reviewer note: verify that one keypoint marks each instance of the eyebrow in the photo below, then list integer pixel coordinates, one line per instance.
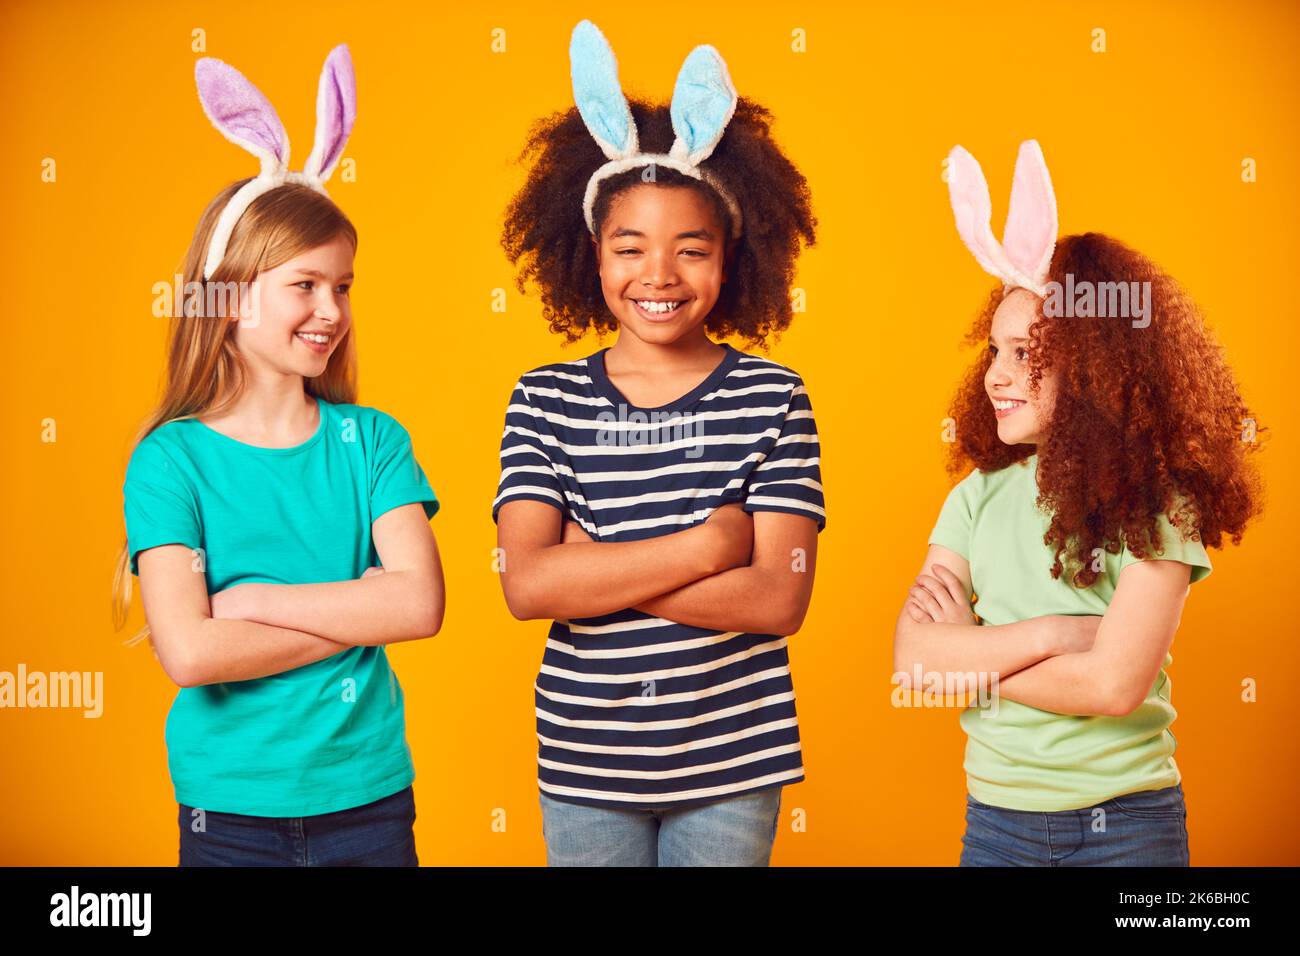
(1014, 341)
(703, 234)
(318, 274)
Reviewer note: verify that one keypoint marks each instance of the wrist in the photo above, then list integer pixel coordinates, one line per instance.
(707, 550)
(1046, 641)
(253, 602)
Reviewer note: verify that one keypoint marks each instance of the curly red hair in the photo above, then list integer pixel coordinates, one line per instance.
(1147, 421)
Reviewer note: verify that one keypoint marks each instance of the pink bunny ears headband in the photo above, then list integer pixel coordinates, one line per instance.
(703, 103)
(245, 117)
(1029, 239)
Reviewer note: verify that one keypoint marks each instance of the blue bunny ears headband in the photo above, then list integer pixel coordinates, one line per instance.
(703, 103)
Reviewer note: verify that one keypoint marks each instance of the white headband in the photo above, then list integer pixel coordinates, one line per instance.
(245, 117)
(703, 103)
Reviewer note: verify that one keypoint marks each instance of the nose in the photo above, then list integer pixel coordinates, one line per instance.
(659, 269)
(327, 307)
(997, 375)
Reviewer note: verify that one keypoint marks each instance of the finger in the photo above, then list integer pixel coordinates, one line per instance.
(915, 612)
(937, 588)
(926, 600)
(954, 584)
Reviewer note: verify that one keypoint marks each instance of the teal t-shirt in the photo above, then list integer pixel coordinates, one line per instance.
(1017, 756)
(326, 736)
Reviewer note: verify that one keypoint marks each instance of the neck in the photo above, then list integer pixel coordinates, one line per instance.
(270, 406)
(693, 348)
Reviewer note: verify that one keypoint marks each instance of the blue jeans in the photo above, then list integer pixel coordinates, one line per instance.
(375, 834)
(1146, 828)
(734, 831)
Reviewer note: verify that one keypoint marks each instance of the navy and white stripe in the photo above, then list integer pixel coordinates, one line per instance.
(635, 710)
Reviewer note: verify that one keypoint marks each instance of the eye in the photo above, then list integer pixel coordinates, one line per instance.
(628, 251)
(307, 283)
(993, 350)
(1022, 353)
(345, 287)
(696, 253)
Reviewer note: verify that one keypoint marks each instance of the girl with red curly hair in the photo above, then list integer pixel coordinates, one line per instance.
(660, 500)
(1110, 448)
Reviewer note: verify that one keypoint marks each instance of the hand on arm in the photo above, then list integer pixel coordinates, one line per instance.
(404, 603)
(1114, 676)
(196, 649)
(936, 629)
(769, 595)
(543, 577)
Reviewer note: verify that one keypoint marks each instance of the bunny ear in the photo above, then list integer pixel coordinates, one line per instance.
(704, 101)
(336, 110)
(973, 210)
(597, 93)
(1030, 235)
(241, 113)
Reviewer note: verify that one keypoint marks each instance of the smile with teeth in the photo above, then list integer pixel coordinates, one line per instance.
(658, 306)
(1006, 406)
(314, 337)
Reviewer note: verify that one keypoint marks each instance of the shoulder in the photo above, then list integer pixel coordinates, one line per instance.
(758, 369)
(364, 420)
(165, 449)
(545, 379)
(1175, 539)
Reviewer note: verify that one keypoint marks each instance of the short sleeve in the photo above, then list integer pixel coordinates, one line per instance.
(159, 503)
(527, 470)
(1173, 548)
(397, 478)
(952, 530)
(789, 479)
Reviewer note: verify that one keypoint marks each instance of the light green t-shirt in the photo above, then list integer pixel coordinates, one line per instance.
(326, 736)
(1020, 757)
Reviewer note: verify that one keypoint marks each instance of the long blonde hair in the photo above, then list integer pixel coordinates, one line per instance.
(205, 372)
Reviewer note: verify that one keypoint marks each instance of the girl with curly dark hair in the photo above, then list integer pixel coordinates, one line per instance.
(660, 499)
(1110, 447)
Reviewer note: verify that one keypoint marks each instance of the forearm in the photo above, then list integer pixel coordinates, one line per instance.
(228, 650)
(590, 578)
(1064, 684)
(962, 648)
(380, 609)
(750, 600)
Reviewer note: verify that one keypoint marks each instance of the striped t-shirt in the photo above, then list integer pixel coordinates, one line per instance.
(634, 710)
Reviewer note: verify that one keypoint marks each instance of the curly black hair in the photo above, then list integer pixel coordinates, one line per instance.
(546, 236)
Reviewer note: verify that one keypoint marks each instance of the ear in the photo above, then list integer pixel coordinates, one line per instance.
(704, 100)
(1030, 235)
(241, 113)
(597, 93)
(336, 111)
(973, 210)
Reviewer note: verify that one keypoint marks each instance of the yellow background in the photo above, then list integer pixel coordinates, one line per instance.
(1144, 141)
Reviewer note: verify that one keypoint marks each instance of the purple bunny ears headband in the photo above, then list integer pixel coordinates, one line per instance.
(245, 117)
(703, 103)
(1023, 257)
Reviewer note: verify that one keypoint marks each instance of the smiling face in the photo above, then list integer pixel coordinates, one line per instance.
(661, 255)
(1022, 417)
(304, 312)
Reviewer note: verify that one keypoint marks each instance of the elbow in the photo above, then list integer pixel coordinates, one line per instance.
(904, 661)
(1119, 697)
(181, 663)
(788, 613)
(523, 603)
(433, 610)
(787, 623)
(1120, 701)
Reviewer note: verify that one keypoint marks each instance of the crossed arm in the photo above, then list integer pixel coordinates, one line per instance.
(734, 572)
(1066, 664)
(254, 630)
